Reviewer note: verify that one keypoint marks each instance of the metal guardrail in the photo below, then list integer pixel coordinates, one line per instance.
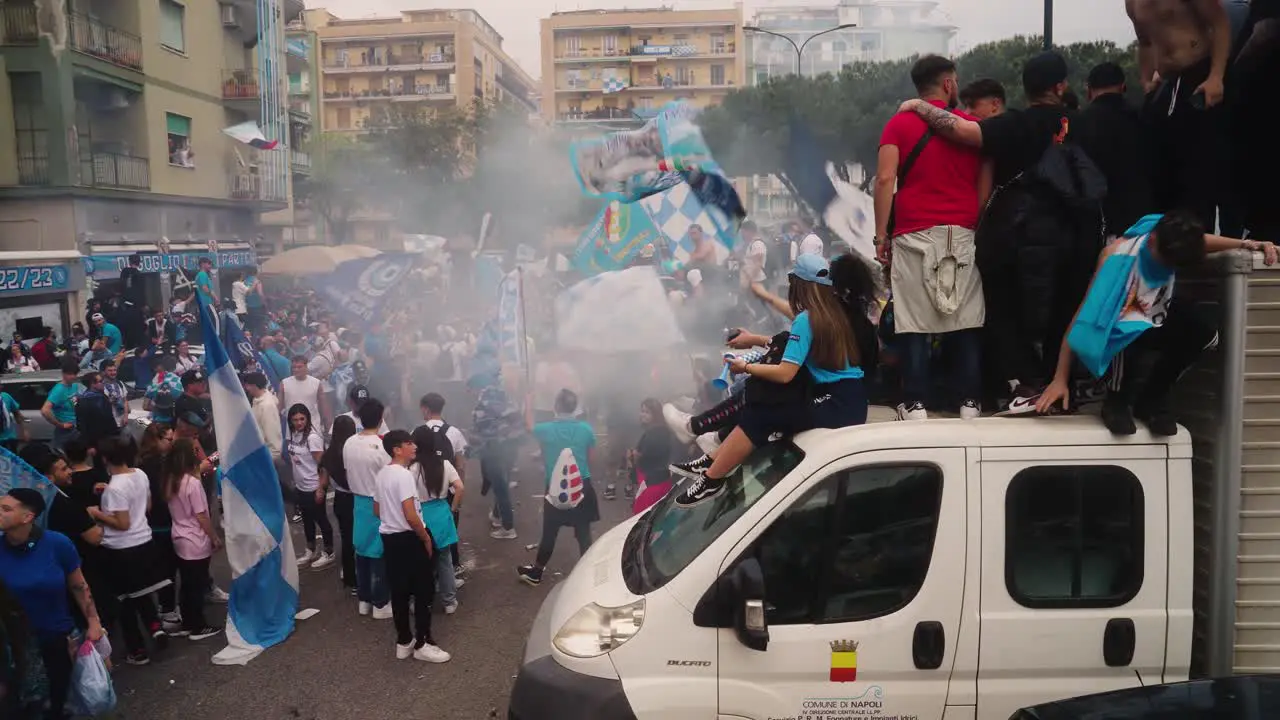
(95, 38)
(18, 24)
(240, 85)
(106, 169)
(33, 171)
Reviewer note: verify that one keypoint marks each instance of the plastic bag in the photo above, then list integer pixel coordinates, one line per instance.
(91, 691)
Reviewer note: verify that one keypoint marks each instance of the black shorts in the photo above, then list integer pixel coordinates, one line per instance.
(134, 572)
(834, 405)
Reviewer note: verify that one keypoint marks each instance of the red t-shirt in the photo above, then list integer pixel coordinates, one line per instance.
(942, 188)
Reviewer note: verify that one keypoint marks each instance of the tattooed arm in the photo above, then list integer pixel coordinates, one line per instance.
(80, 591)
(948, 125)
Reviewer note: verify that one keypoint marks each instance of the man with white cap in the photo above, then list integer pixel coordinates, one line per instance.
(109, 332)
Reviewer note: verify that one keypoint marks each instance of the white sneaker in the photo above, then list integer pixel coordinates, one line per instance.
(404, 652)
(969, 410)
(432, 654)
(451, 608)
(217, 595)
(494, 521)
(382, 613)
(306, 558)
(458, 583)
(708, 443)
(916, 411)
(365, 607)
(678, 422)
(501, 534)
(324, 561)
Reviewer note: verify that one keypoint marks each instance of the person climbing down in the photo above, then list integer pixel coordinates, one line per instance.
(1130, 311)
(568, 449)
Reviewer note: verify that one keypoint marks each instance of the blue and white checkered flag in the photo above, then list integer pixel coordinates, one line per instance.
(676, 210)
(264, 574)
(613, 85)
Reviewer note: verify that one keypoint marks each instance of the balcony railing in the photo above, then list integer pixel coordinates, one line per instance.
(240, 85)
(33, 171)
(390, 93)
(98, 39)
(604, 113)
(18, 24)
(301, 160)
(389, 60)
(245, 186)
(106, 169)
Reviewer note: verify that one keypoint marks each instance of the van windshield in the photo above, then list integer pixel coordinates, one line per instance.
(666, 540)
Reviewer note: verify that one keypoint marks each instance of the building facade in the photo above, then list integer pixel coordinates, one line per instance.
(619, 67)
(111, 142)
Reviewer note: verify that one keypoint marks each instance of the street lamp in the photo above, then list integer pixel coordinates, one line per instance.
(798, 48)
(1048, 24)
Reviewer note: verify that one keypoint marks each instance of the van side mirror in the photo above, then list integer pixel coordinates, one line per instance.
(748, 596)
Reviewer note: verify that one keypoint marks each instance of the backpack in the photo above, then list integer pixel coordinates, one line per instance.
(565, 490)
(444, 446)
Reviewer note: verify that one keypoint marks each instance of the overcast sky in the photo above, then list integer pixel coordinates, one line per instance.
(978, 20)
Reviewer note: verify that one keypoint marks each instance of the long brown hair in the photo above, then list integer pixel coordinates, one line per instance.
(150, 450)
(834, 344)
(181, 461)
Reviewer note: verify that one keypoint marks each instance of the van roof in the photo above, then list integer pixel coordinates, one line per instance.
(1067, 430)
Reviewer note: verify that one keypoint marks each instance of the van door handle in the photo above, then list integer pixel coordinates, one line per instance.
(928, 645)
(1118, 642)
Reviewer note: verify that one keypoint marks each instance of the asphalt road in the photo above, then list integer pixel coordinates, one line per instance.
(340, 666)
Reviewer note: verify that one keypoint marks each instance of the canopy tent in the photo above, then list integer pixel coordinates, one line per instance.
(314, 259)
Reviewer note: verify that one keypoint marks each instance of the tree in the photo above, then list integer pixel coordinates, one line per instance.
(749, 131)
(343, 170)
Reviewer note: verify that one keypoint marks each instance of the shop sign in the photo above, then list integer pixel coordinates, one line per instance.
(105, 267)
(35, 279)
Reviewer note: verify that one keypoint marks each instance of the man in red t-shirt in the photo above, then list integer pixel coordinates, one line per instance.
(926, 230)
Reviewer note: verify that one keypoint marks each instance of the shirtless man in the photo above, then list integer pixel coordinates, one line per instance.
(1183, 50)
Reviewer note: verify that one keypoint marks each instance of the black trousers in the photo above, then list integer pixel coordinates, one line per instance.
(411, 574)
(168, 559)
(194, 578)
(551, 524)
(1171, 349)
(313, 514)
(721, 417)
(344, 505)
(56, 653)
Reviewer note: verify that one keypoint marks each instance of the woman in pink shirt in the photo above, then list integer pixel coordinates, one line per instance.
(194, 539)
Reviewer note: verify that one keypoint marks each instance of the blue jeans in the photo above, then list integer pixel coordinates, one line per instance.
(495, 467)
(371, 581)
(961, 348)
(446, 583)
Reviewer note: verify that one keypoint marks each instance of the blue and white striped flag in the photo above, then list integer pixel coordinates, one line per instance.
(264, 584)
(16, 473)
(511, 333)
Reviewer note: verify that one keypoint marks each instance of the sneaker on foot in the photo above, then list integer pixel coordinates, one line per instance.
(207, 631)
(324, 561)
(432, 654)
(382, 613)
(1159, 421)
(354, 591)
(459, 571)
(138, 657)
(699, 491)
(451, 608)
(708, 442)
(296, 517)
(217, 595)
(494, 521)
(171, 623)
(693, 468)
(610, 492)
(914, 411)
(175, 631)
(404, 652)
(458, 582)
(1024, 400)
(969, 410)
(629, 491)
(678, 422)
(306, 558)
(1118, 417)
(529, 575)
(364, 608)
(173, 616)
(503, 534)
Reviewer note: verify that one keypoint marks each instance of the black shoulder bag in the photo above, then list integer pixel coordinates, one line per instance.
(904, 172)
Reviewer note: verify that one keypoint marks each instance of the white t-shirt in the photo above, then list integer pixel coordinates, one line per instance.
(455, 436)
(306, 473)
(130, 492)
(305, 391)
(382, 429)
(394, 484)
(184, 364)
(757, 256)
(363, 456)
(239, 291)
(450, 477)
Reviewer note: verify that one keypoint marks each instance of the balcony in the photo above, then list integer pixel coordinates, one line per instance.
(33, 170)
(97, 39)
(240, 85)
(300, 161)
(604, 114)
(722, 49)
(115, 170)
(18, 24)
(422, 92)
(390, 62)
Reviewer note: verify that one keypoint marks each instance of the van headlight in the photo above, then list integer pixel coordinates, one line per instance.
(596, 630)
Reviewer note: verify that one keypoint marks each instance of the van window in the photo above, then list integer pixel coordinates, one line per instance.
(856, 547)
(1073, 537)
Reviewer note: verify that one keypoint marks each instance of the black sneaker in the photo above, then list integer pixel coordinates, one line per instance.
(693, 468)
(138, 657)
(207, 631)
(1158, 420)
(699, 491)
(529, 575)
(610, 492)
(1118, 417)
(296, 518)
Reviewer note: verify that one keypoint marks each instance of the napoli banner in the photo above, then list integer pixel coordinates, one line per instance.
(358, 289)
(618, 234)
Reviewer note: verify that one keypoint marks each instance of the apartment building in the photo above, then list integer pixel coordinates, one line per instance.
(295, 225)
(619, 67)
(111, 142)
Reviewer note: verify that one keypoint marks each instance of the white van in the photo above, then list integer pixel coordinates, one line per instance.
(919, 571)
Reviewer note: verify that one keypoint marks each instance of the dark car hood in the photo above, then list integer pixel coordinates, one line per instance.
(1255, 697)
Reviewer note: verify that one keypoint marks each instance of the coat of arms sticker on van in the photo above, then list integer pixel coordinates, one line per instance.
(844, 661)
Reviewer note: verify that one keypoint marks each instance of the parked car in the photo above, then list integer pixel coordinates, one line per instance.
(31, 390)
(1246, 697)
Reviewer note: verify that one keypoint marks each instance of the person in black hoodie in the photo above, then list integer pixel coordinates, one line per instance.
(1116, 138)
(95, 419)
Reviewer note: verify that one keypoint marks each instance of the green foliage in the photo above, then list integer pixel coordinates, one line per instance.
(749, 132)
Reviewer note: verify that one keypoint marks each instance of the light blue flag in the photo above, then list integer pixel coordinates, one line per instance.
(16, 473)
(618, 234)
(264, 584)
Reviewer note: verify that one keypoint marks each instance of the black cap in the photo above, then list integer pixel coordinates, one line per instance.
(1105, 75)
(191, 410)
(31, 499)
(193, 376)
(358, 394)
(1042, 72)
